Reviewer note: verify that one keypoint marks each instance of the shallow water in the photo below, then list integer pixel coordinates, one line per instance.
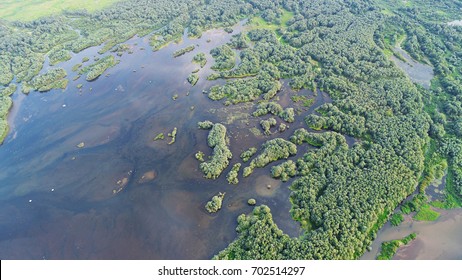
(123, 195)
(437, 240)
(419, 73)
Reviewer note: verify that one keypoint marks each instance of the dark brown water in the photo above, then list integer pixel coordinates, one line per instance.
(124, 196)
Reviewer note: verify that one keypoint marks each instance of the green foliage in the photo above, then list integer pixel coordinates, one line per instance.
(282, 127)
(193, 78)
(396, 219)
(221, 154)
(247, 154)
(28, 10)
(59, 55)
(274, 108)
(284, 170)
(266, 108)
(388, 249)
(233, 173)
(267, 124)
(415, 204)
(76, 67)
(159, 136)
(215, 204)
(259, 238)
(200, 59)
(9, 90)
(205, 125)
(52, 79)
(181, 52)
(272, 150)
(426, 214)
(251, 202)
(199, 156)
(96, 69)
(224, 56)
(173, 136)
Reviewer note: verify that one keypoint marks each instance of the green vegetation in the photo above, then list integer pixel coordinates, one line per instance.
(221, 154)
(193, 78)
(251, 202)
(233, 173)
(58, 55)
(396, 219)
(205, 125)
(426, 214)
(199, 156)
(247, 154)
(215, 204)
(224, 56)
(267, 124)
(121, 49)
(53, 79)
(306, 102)
(5, 105)
(159, 136)
(173, 136)
(76, 67)
(9, 90)
(96, 69)
(272, 150)
(389, 248)
(28, 10)
(274, 108)
(200, 59)
(284, 171)
(182, 51)
(257, 228)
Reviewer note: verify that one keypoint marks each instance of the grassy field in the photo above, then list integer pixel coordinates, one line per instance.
(27, 10)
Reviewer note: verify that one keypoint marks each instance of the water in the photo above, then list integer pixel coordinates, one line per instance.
(440, 239)
(419, 73)
(124, 196)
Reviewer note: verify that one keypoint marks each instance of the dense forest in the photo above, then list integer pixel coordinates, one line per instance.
(405, 135)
